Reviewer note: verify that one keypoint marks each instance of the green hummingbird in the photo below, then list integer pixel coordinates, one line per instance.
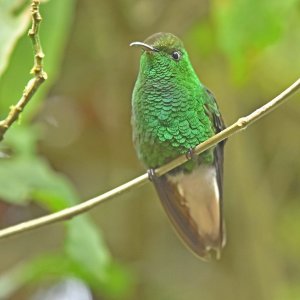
(172, 112)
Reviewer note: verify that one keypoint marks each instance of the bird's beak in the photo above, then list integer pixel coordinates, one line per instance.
(146, 47)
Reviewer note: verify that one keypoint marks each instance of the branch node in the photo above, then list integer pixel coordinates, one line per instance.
(40, 55)
(242, 123)
(3, 125)
(43, 75)
(14, 108)
(31, 32)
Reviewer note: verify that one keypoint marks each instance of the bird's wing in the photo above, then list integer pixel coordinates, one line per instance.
(214, 114)
(212, 110)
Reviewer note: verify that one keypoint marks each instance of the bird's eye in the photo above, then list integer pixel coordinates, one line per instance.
(176, 55)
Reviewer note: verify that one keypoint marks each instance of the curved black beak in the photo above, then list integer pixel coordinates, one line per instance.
(145, 46)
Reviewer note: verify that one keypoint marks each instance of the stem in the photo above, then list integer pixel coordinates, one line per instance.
(39, 75)
(68, 213)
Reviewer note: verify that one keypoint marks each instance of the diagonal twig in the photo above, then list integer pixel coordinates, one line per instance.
(39, 75)
(68, 213)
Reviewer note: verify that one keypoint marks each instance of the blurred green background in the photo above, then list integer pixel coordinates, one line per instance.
(73, 142)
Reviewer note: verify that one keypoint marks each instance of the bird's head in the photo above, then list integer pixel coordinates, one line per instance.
(163, 54)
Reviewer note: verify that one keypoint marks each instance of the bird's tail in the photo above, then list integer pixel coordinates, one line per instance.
(193, 203)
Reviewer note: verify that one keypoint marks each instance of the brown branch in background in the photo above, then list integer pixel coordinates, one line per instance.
(39, 75)
(68, 213)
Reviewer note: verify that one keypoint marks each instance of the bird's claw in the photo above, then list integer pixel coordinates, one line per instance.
(151, 174)
(191, 155)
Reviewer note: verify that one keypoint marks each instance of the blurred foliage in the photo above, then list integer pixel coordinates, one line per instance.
(27, 176)
(74, 141)
(13, 23)
(57, 19)
(245, 28)
(33, 174)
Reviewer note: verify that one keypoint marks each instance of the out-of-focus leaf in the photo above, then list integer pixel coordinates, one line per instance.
(116, 283)
(245, 27)
(85, 246)
(21, 140)
(57, 17)
(27, 176)
(47, 266)
(92, 261)
(13, 24)
(86, 257)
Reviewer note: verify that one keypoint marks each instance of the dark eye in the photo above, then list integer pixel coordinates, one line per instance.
(176, 55)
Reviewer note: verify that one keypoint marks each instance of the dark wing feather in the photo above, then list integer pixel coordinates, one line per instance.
(213, 112)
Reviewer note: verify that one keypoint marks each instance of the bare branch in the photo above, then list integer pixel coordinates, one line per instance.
(39, 75)
(68, 213)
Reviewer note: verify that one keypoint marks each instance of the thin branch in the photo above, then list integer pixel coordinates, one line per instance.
(39, 75)
(68, 213)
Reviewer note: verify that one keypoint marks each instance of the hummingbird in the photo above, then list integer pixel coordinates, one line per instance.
(172, 112)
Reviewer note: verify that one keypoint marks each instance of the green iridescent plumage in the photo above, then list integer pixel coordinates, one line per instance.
(172, 112)
(169, 106)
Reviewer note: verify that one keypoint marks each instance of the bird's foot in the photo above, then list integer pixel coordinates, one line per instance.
(152, 175)
(191, 154)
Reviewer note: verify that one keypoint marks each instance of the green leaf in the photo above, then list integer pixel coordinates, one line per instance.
(85, 246)
(27, 176)
(54, 28)
(91, 259)
(13, 24)
(21, 140)
(117, 283)
(45, 267)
